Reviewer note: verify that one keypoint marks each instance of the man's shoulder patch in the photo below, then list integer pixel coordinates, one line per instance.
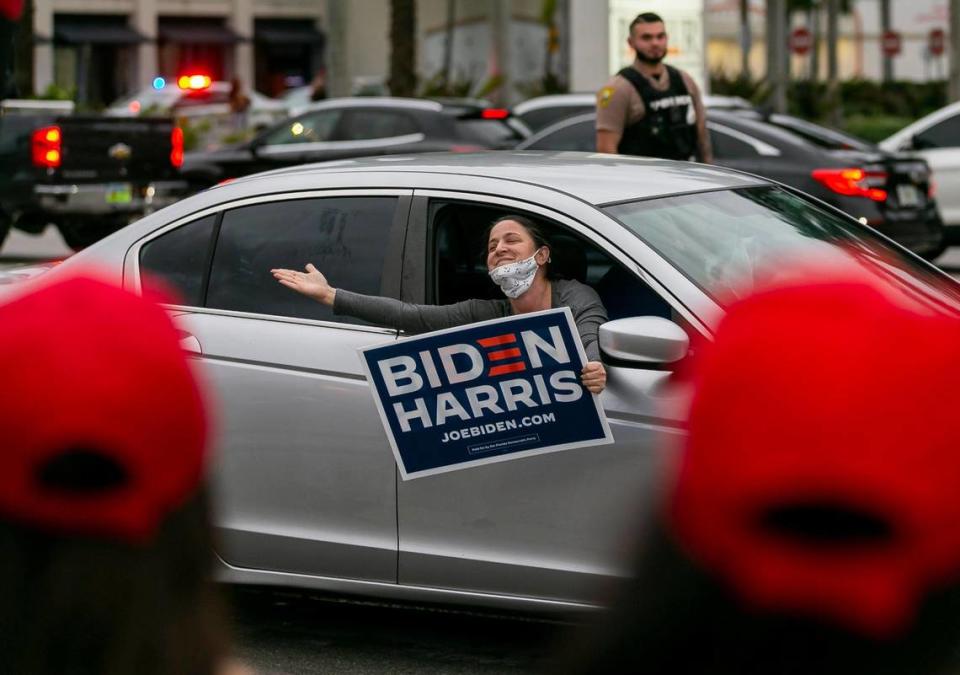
(604, 96)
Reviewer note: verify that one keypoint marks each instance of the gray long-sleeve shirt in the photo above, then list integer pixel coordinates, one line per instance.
(584, 303)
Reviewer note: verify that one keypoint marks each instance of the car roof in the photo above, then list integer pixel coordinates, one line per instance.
(372, 102)
(554, 100)
(595, 178)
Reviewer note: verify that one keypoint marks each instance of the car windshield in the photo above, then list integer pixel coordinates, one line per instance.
(724, 240)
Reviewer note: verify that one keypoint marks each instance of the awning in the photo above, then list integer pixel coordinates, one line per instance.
(288, 33)
(196, 33)
(91, 31)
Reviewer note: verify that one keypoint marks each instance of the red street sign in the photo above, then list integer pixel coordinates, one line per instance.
(891, 43)
(936, 41)
(801, 40)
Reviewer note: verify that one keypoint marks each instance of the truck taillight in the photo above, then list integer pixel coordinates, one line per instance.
(853, 182)
(46, 146)
(176, 147)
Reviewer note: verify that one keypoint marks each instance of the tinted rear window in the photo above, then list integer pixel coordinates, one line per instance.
(178, 260)
(345, 237)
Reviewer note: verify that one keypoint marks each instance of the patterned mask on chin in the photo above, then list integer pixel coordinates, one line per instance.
(515, 278)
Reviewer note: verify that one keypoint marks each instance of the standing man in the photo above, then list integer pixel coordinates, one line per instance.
(650, 108)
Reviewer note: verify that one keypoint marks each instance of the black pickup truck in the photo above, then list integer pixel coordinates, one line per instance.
(88, 175)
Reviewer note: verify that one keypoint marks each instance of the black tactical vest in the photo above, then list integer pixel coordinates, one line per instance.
(664, 130)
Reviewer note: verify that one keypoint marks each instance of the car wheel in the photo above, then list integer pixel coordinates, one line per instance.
(79, 234)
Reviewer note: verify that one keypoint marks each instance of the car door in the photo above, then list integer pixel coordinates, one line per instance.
(554, 527)
(940, 146)
(305, 479)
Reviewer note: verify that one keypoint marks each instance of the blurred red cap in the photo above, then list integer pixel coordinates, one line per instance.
(103, 422)
(821, 475)
(11, 9)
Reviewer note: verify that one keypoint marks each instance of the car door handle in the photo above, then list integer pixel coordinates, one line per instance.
(189, 343)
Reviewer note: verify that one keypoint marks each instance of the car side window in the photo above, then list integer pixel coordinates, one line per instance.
(345, 237)
(177, 261)
(315, 128)
(581, 136)
(945, 134)
(460, 269)
(726, 146)
(361, 125)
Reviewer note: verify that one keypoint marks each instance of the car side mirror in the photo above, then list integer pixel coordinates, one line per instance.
(644, 339)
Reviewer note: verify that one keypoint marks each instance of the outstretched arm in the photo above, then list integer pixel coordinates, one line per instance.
(405, 316)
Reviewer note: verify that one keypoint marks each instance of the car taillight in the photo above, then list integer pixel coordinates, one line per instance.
(853, 182)
(931, 189)
(495, 114)
(176, 147)
(466, 148)
(47, 147)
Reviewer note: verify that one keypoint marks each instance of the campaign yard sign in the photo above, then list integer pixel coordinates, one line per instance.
(485, 392)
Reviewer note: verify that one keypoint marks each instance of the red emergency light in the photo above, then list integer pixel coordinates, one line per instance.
(194, 82)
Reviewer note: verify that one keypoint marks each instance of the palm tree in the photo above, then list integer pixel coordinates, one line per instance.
(448, 43)
(403, 27)
(746, 39)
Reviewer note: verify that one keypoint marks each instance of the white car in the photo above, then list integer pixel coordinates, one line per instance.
(211, 100)
(936, 138)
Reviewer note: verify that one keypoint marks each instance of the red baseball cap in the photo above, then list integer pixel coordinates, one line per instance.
(821, 475)
(103, 421)
(11, 9)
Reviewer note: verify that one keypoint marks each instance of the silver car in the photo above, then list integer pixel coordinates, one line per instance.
(308, 492)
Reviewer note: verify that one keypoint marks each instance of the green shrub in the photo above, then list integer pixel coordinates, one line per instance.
(875, 127)
(871, 110)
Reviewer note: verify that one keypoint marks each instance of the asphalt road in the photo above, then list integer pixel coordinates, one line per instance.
(285, 634)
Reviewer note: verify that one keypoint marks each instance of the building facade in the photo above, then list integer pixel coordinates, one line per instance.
(103, 49)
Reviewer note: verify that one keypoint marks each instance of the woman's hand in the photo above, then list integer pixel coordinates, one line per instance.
(311, 283)
(594, 377)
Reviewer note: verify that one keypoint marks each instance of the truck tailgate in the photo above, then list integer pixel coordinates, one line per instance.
(111, 148)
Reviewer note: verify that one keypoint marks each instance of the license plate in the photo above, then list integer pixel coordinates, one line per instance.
(908, 195)
(119, 193)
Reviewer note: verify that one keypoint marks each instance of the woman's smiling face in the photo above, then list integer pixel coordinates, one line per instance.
(509, 242)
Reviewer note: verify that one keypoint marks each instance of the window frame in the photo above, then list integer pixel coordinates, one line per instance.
(419, 264)
(955, 118)
(390, 280)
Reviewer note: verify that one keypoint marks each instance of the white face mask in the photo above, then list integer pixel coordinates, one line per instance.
(515, 278)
